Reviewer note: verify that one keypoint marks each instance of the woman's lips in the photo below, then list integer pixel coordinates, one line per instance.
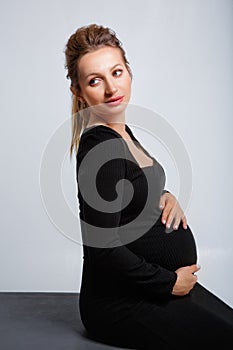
(115, 101)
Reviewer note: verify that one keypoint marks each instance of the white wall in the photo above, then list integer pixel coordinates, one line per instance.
(181, 55)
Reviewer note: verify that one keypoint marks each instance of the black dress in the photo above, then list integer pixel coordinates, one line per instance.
(129, 263)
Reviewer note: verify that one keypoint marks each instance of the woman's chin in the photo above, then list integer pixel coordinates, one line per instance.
(106, 110)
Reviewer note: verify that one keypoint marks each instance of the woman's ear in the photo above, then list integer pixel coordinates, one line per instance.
(75, 93)
(72, 89)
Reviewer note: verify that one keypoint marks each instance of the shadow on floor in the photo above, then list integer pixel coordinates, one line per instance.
(41, 321)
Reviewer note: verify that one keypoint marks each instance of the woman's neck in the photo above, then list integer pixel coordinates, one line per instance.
(118, 124)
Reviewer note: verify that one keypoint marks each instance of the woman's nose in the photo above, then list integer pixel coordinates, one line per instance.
(110, 87)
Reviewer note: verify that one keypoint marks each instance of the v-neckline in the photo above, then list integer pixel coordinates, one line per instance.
(133, 138)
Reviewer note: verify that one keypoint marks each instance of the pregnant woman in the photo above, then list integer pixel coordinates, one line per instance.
(139, 288)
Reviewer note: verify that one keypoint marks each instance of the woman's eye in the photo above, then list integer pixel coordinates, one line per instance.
(118, 72)
(93, 81)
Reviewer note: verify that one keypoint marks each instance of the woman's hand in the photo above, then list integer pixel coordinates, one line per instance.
(186, 280)
(172, 211)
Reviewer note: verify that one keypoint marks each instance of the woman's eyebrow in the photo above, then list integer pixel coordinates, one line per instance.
(89, 74)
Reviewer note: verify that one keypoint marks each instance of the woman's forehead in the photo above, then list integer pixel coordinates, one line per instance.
(100, 59)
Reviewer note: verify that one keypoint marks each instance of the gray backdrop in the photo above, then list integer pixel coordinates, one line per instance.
(181, 56)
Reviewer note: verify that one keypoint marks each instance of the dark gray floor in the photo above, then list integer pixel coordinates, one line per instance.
(41, 321)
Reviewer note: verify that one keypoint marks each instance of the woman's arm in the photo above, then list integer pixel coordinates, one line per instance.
(150, 279)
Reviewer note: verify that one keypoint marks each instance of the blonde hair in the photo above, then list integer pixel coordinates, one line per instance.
(85, 39)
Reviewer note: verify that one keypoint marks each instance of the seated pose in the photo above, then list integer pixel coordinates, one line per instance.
(139, 285)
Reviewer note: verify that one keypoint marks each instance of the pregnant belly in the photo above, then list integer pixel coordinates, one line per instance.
(170, 250)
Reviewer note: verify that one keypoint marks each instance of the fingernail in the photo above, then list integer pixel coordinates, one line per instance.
(175, 227)
(164, 221)
(168, 225)
(161, 206)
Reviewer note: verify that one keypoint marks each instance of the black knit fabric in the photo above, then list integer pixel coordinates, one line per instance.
(129, 273)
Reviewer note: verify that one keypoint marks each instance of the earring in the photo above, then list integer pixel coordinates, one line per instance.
(82, 102)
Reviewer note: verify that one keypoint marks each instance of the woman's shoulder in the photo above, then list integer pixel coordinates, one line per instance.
(101, 132)
(98, 130)
(97, 134)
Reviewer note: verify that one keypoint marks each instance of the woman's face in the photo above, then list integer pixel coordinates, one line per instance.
(104, 80)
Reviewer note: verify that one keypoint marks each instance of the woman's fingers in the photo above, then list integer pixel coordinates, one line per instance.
(194, 268)
(176, 223)
(172, 212)
(162, 202)
(184, 220)
(177, 216)
(166, 213)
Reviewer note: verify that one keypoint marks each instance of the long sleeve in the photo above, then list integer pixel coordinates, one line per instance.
(110, 255)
